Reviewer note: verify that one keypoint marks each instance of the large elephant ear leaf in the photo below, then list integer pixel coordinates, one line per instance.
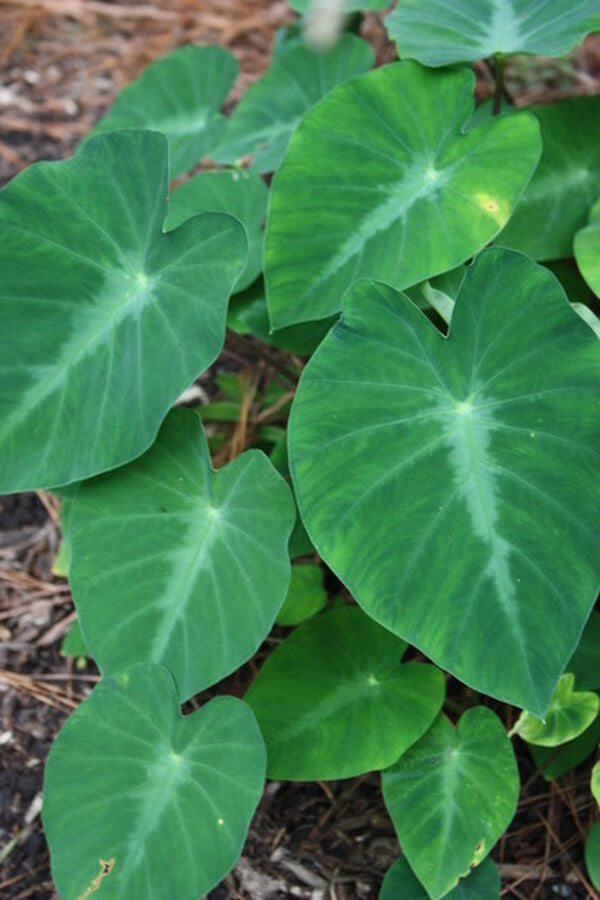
(343, 207)
(557, 200)
(177, 564)
(430, 472)
(587, 249)
(262, 124)
(141, 802)
(461, 787)
(438, 33)
(179, 95)
(400, 883)
(105, 318)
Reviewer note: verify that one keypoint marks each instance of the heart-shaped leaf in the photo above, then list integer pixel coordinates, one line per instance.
(566, 183)
(178, 564)
(306, 595)
(587, 249)
(179, 95)
(333, 701)
(344, 206)
(452, 483)
(438, 33)
(141, 802)
(569, 714)
(266, 117)
(106, 320)
(236, 192)
(451, 796)
(400, 883)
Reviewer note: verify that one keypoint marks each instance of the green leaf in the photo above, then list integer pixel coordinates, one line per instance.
(557, 200)
(73, 643)
(557, 761)
(400, 883)
(248, 315)
(585, 662)
(345, 206)
(595, 783)
(349, 5)
(592, 854)
(263, 122)
(178, 564)
(569, 714)
(240, 194)
(164, 801)
(438, 33)
(62, 560)
(333, 701)
(179, 95)
(106, 320)
(451, 796)
(587, 249)
(306, 595)
(430, 472)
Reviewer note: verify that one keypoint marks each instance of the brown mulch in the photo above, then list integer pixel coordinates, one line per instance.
(61, 64)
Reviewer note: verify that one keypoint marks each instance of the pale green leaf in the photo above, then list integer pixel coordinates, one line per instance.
(569, 714)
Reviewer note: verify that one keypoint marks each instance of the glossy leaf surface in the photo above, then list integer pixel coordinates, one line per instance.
(570, 713)
(179, 95)
(400, 883)
(162, 803)
(461, 787)
(266, 117)
(430, 472)
(235, 192)
(438, 33)
(371, 180)
(106, 320)
(587, 250)
(333, 701)
(566, 183)
(178, 564)
(306, 595)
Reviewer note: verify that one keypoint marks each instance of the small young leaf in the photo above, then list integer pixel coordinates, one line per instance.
(461, 787)
(333, 701)
(306, 595)
(592, 854)
(146, 803)
(557, 761)
(105, 318)
(430, 472)
(438, 33)
(349, 5)
(557, 200)
(179, 95)
(587, 249)
(400, 883)
(371, 179)
(178, 564)
(240, 194)
(266, 117)
(569, 714)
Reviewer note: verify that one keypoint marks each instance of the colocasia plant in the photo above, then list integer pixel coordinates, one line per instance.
(442, 456)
